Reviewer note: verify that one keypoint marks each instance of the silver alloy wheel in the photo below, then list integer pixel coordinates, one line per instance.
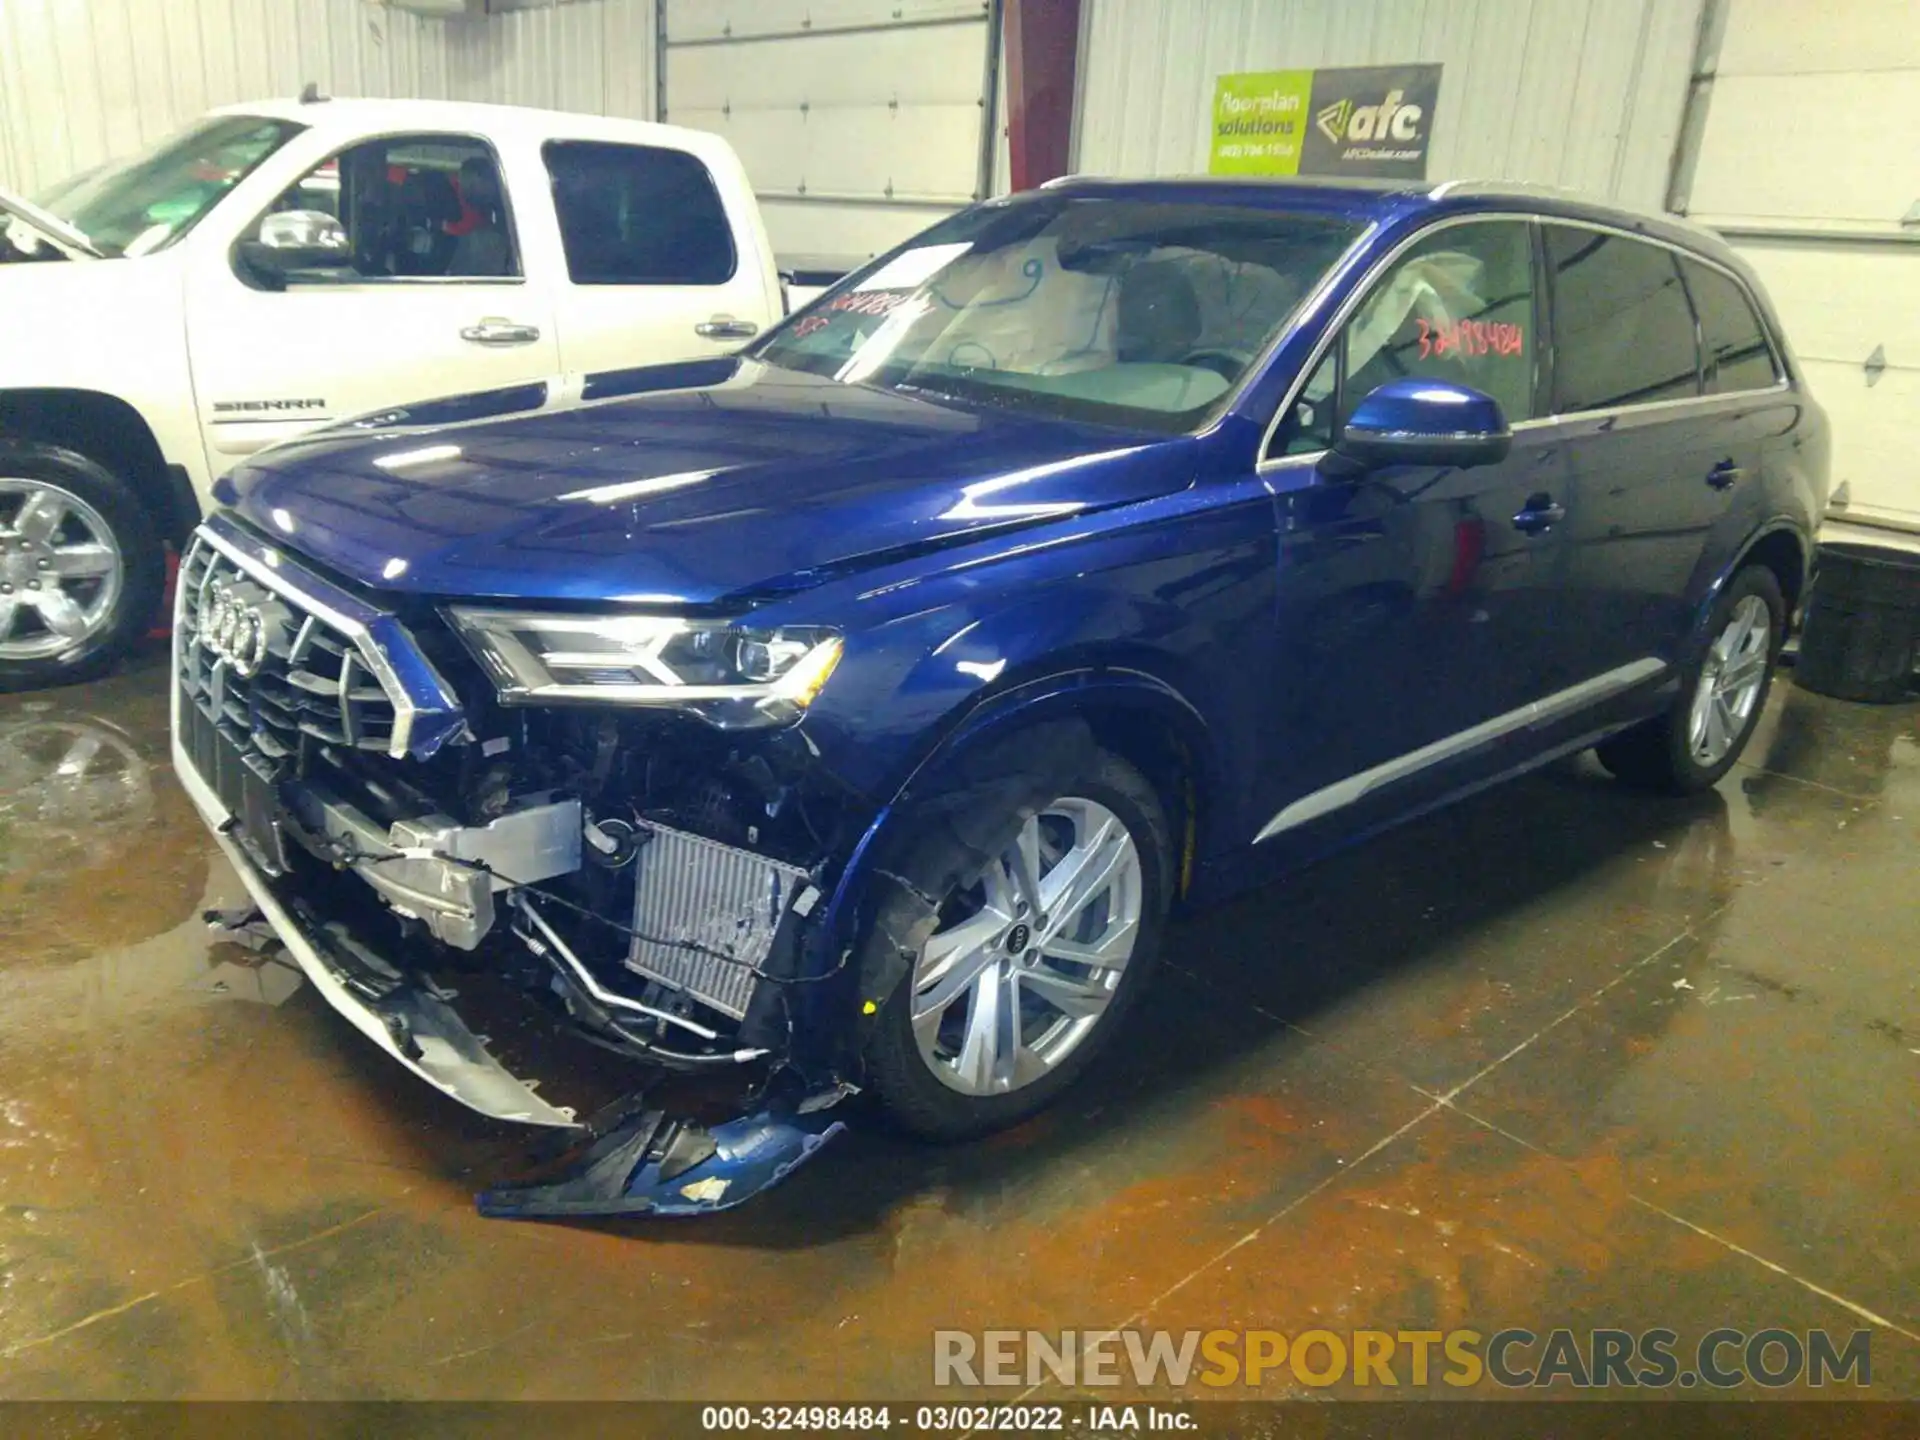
(1730, 682)
(1026, 959)
(61, 570)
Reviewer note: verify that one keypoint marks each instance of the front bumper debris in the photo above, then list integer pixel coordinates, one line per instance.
(654, 1165)
(650, 1164)
(415, 1027)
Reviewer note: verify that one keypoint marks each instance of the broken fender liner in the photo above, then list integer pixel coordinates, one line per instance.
(651, 1165)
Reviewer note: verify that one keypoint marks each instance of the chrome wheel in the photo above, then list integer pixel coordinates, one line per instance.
(1027, 958)
(61, 570)
(1731, 679)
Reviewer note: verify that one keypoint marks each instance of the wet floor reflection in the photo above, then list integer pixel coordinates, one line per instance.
(210, 1185)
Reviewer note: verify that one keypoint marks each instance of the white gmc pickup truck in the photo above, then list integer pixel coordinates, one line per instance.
(280, 265)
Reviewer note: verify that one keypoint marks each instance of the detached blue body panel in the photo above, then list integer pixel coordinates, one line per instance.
(629, 1172)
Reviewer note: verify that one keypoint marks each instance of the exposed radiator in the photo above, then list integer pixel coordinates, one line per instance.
(706, 913)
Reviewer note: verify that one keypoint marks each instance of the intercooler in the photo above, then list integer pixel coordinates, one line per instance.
(705, 916)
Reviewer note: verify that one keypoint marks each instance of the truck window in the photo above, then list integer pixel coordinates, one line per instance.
(413, 207)
(638, 215)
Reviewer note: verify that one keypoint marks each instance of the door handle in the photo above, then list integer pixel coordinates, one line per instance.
(1542, 513)
(1724, 475)
(494, 331)
(725, 327)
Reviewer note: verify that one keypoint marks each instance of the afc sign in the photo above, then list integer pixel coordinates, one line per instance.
(1366, 120)
(1390, 119)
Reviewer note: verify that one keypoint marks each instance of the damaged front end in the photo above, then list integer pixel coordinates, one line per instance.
(648, 881)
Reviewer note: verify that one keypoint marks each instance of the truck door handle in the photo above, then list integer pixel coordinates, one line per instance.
(1542, 513)
(1724, 475)
(725, 327)
(495, 331)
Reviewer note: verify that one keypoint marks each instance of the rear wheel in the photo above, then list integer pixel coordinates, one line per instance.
(1018, 956)
(81, 567)
(1696, 742)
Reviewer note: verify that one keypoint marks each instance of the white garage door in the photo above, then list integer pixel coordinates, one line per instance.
(1810, 163)
(859, 121)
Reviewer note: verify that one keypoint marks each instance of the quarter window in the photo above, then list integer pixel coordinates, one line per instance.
(639, 215)
(1623, 332)
(1458, 306)
(1737, 355)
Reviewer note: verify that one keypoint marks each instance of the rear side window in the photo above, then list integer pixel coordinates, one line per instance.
(638, 215)
(1622, 329)
(1737, 354)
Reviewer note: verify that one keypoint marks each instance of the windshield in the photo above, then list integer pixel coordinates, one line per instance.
(136, 205)
(1131, 312)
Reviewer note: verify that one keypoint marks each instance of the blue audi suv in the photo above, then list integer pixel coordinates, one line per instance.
(851, 714)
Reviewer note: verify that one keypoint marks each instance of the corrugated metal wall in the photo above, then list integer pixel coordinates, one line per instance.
(590, 55)
(1582, 93)
(81, 80)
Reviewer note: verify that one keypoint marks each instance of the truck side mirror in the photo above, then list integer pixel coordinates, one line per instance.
(293, 240)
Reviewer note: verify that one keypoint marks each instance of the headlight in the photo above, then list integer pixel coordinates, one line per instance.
(733, 675)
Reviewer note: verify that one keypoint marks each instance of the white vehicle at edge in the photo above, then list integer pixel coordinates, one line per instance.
(284, 264)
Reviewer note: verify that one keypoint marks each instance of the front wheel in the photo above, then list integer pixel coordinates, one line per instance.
(81, 567)
(1023, 928)
(1696, 742)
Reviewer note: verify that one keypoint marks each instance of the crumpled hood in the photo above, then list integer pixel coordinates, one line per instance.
(688, 484)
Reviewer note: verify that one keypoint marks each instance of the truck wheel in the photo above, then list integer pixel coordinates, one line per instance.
(81, 567)
(1022, 924)
(1696, 742)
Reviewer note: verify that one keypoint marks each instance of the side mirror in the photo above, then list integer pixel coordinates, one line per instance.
(1424, 422)
(293, 240)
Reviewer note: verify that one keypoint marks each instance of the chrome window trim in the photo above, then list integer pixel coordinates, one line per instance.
(1264, 462)
(1421, 434)
(1342, 793)
(370, 653)
(385, 282)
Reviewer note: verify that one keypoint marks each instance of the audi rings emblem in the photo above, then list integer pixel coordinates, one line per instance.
(233, 629)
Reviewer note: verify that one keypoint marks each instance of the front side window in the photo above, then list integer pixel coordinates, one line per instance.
(1737, 356)
(1623, 331)
(1457, 306)
(1127, 312)
(405, 207)
(639, 215)
(137, 205)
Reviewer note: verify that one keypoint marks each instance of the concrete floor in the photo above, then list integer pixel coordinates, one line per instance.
(1563, 1056)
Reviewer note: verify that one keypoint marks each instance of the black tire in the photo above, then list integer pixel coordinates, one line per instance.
(1658, 755)
(947, 844)
(142, 574)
